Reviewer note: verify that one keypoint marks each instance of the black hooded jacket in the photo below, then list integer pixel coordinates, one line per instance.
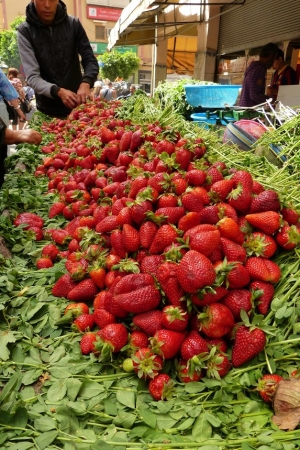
(57, 48)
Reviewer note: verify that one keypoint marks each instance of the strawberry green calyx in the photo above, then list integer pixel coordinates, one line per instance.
(147, 364)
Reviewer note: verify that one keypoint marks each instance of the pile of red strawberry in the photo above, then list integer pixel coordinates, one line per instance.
(168, 256)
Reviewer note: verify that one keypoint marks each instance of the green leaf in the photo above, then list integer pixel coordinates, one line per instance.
(31, 376)
(194, 387)
(44, 440)
(6, 337)
(202, 429)
(45, 424)
(126, 398)
(213, 420)
(73, 388)
(57, 391)
(13, 385)
(90, 389)
(147, 416)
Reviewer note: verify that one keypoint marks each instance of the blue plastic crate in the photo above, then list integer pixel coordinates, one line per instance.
(212, 96)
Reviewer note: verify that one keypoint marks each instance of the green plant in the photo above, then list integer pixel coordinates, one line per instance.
(9, 52)
(116, 64)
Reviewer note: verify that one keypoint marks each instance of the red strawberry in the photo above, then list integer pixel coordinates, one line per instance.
(167, 277)
(220, 343)
(290, 215)
(187, 374)
(179, 186)
(35, 233)
(192, 345)
(218, 365)
(136, 140)
(240, 197)
(268, 221)
(267, 385)
(267, 200)
(111, 305)
(51, 251)
(125, 141)
(166, 200)
(161, 387)
(112, 338)
(139, 210)
(136, 293)
(195, 271)
(225, 210)
(263, 294)
(117, 244)
(63, 286)
(216, 320)
(84, 322)
(165, 236)
(183, 157)
(205, 241)
(206, 298)
(146, 364)
(260, 244)
(103, 318)
(196, 177)
(149, 322)
(109, 223)
(248, 343)
(29, 219)
(165, 146)
(106, 135)
(87, 343)
(263, 269)
(238, 276)
(229, 229)
(131, 238)
(170, 214)
(219, 190)
(174, 318)
(150, 264)
(43, 263)
(166, 343)
(84, 291)
(59, 236)
(236, 300)
(288, 237)
(77, 309)
(56, 209)
(138, 183)
(137, 339)
(188, 221)
(232, 250)
(192, 200)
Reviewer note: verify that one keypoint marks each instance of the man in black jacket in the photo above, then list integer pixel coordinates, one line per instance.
(50, 42)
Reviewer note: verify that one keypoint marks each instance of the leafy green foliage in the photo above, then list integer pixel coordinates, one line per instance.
(9, 53)
(174, 92)
(117, 64)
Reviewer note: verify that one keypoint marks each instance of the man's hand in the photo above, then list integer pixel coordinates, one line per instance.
(84, 93)
(22, 136)
(69, 98)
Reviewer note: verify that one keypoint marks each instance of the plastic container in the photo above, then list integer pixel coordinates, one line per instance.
(211, 96)
(243, 133)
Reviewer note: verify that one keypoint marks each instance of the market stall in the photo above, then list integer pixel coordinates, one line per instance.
(152, 295)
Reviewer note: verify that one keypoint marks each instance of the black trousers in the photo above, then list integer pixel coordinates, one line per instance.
(3, 155)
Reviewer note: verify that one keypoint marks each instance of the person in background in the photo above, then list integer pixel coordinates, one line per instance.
(12, 75)
(50, 42)
(107, 92)
(254, 84)
(10, 95)
(284, 75)
(132, 90)
(29, 92)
